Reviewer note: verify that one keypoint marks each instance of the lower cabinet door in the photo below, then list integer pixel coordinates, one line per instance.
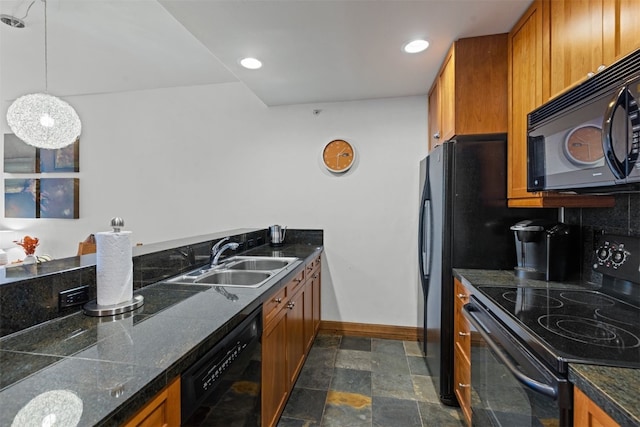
(275, 376)
(162, 411)
(587, 414)
(296, 346)
(309, 331)
(316, 300)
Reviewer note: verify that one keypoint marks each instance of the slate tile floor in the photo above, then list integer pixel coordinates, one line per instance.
(356, 381)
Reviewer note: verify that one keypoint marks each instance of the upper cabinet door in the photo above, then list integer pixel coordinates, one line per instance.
(447, 83)
(588, 35)
(434, 116)
(576, 28)
(621, 27)
(525, 94)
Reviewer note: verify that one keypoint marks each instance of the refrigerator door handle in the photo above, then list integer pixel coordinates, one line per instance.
(426, 253)
(424, 232)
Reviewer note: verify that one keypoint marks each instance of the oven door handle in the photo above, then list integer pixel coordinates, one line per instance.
(542, 388)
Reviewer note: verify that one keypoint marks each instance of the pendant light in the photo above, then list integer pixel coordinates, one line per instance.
(43, 120)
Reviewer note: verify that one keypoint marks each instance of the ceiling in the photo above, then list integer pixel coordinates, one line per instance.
(312, 50)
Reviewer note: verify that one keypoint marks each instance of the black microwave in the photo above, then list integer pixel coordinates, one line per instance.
(587, 139)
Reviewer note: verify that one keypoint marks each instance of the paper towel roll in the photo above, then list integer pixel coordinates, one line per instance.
(114, 267)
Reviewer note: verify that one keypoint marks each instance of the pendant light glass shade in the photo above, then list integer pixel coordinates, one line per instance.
(44, 121)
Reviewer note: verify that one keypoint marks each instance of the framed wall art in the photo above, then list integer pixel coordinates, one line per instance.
(60, 160)
(20, 198)
(18, 156)
(58, 198)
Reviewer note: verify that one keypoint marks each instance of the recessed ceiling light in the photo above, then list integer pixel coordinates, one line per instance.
(250, 63)
(416, 46)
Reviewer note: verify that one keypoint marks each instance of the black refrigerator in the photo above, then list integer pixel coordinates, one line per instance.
(464, 223)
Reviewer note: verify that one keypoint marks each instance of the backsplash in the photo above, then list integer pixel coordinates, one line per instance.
(622, 219)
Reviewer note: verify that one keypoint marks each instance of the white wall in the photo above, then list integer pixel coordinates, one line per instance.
(185, 161)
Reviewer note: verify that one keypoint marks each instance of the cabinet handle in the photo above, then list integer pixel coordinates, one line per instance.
(460, 385)
(291, 305)
(601, 67)
(297, 280)
(591, 74)
(436, 135)
(464, 334)
(277, 300)
(315, 276)
(462, 296)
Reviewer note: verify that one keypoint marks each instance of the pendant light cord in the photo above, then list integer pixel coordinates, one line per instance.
(28, 9)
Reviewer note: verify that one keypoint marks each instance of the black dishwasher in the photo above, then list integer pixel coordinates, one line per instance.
(223, 387)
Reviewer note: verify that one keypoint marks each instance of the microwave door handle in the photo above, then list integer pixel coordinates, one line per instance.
(617, 168)
(542, 388)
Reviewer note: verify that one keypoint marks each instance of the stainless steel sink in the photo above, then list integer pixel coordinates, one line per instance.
(259, 264)
(238, 271)
(234, 278)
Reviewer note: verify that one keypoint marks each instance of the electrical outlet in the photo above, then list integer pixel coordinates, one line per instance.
(73, 297)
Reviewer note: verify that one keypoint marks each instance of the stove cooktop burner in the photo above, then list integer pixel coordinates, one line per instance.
(617, 316)
(536, 298)
(587, 298)
(589, 331)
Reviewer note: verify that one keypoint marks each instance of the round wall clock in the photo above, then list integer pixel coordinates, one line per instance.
(338, 156)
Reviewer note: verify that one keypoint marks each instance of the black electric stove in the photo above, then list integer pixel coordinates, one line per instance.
(578, 325)
(568, 325)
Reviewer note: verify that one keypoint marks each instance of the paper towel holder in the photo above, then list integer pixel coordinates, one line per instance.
(92, 308)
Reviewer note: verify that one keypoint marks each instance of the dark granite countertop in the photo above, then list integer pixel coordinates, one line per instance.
(100, 371)
(615, 390)
(474, 278)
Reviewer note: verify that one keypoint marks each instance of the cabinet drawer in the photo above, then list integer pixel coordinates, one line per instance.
(271, 306)
(462, 294)
(462, 338)
(293, 285)
(312, 265)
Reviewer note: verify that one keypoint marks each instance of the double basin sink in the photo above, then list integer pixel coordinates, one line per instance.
(238, 271)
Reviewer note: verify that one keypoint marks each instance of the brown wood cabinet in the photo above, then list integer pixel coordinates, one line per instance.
(528, 88)
(275, 375)
(317, 296)
(462, 352)
(626, 20)
(587, 414)
(162, 411)
(296, 345)
(586, 36)
(289, 330)
(469, 95)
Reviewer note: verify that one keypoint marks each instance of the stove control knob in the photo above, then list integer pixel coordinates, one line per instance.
(618, 257)
(603, 253)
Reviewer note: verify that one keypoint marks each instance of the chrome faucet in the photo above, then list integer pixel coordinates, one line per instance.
(218, 249)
